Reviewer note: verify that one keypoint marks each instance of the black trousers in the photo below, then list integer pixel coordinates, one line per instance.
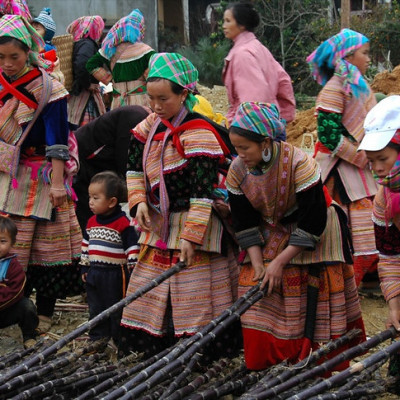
(105, 287)
(22, 313)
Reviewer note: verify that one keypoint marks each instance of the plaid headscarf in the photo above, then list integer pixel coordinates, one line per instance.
(329, 58)
(128, 29)
(177, 69)
(19, 28)
(260, 118)
(86, 27)
(15, 7)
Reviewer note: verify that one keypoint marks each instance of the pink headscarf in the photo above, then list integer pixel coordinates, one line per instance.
(86, 27)
(15, 7)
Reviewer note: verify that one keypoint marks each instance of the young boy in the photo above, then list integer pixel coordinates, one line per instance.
(46, 27)
(14, 307)
(109, 249)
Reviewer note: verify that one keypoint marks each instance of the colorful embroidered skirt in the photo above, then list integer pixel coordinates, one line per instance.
(50, 251)
(197, 294)
(273, 329)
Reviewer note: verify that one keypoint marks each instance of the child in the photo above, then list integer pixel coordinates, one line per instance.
(109, 248)
(46, 27)
(382, 145)
(339, 64)
(14, 307)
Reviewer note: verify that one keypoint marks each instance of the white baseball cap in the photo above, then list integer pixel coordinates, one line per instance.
(381, 123)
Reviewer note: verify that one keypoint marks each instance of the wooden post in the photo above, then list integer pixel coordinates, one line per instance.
(345, 14)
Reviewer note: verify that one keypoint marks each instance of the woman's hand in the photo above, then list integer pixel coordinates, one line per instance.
(142, 216)
(273, 275)
(187, 252)
(394, 313)
(259, 272)
(58, 196)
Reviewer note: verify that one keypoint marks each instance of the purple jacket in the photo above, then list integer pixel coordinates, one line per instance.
(251, 73)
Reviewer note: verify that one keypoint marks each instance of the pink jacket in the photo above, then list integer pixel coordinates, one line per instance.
(251, 73)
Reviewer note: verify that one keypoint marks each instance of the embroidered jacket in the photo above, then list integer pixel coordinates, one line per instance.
(12, 286)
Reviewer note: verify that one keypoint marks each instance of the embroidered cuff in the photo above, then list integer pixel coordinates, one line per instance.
(136, 189)
(303, 239)
(250, 237)
(197, 220)
(58, 151)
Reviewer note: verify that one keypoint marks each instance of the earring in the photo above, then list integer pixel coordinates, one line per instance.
(266, 157)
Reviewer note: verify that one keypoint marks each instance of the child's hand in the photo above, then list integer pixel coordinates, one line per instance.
(84, 276)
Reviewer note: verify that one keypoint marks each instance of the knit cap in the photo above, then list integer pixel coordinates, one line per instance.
(47, 21)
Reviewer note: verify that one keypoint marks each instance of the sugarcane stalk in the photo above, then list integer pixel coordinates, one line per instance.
(182, 376)
(181, 347)
(355, 393)
(199, 381)
(159, 375)
(14, 356)
(356, 380)
(49, 385)
(238, 385)
(269, 381)
(108, 383)
(336, 379)
(90, 324)
(326, 366)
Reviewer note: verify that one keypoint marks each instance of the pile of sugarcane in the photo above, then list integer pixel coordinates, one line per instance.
(52, 370)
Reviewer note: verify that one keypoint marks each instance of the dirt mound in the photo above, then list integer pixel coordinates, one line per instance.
(387, 82)
(305, 122)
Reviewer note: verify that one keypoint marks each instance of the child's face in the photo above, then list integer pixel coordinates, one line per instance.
(99, 203)
(39, 28)
(360, 58)
(382, 161)
(5, 243)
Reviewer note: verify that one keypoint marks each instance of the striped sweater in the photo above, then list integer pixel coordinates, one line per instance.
(109, 241)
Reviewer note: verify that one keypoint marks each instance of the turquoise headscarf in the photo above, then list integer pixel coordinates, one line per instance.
(329, 58)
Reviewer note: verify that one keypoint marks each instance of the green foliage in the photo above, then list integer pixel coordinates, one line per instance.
(208, 58)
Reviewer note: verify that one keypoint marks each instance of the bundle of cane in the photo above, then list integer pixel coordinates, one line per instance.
(269, 381)
(335, 380)
(103, 316)
(182, 353)
(325, 367)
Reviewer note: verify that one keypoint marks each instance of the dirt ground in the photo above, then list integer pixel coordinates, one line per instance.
(373, 307)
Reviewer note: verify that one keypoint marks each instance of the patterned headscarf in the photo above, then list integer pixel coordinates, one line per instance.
(329, 58)
(260, 118)
(128, 29)
(19, 28)
(86, 27)
(15, 7)
(177, 69)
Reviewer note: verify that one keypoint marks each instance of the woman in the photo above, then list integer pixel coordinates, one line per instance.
(338, 65)
(86, 102)
(38, 197)
(126, 58)
(293, 238)
(251, 73)
(172, 172)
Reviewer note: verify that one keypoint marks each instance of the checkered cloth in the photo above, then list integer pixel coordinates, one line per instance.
(178, 69)
(128, 29)
(19, 28)
(260, 118)
(329, 58)
(86, 27)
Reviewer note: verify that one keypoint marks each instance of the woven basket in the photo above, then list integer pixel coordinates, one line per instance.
(65, 47)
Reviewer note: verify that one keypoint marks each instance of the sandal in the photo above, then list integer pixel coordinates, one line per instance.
(44, 324)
